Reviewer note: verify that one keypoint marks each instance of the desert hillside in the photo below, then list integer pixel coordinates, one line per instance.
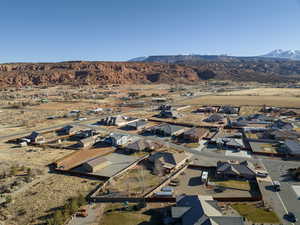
(101, 73)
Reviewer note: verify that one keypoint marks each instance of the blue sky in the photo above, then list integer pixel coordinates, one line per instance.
(111, 30)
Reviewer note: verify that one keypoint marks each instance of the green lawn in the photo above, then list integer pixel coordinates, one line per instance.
(124, 218)
(113, 217)
(256, 215)
(243, 185)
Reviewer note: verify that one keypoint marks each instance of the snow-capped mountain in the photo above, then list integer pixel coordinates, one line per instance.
(288, 54)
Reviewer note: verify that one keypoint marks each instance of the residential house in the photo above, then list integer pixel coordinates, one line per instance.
(267, 109)
(195, 134)
(95, 164)
(35, 138)
(87, 142)
(166, 129)
(136, 125)
(196, 210)
(165, 107)
(164, 162)
(228, 110)
(168, 114)
(143, 145)
(116, 139)
(68, 130)
(281, 135)
(293, 148)
(117, 120)
(84, 134)
(288, 113)
(244, 169)
(207, 110)
(214, 118)
(280, 124)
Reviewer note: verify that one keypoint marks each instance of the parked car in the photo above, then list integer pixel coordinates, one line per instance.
(276, 185)
(291, 217)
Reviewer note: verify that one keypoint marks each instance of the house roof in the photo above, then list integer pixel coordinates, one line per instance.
(196, 132)
(214, 118)
(241, 168)
(117, 136)
(171, 158)
(88, 140)
(96, 161)
(234, 142)
(279, 124)
(168, 128)
(33, 135)
(137, 124)
(192, 211)
(142, 144)
(228, 109)
(293, 147)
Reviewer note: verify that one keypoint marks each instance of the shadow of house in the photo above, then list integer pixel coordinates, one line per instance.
(195, 181)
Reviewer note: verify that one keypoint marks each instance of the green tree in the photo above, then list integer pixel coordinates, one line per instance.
(58, 218)
(81, 200)
(73, 205)
(29, 171)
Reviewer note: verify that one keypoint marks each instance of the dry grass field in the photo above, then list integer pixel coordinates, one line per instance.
(292, 92)
(280, 101)
(40, 200)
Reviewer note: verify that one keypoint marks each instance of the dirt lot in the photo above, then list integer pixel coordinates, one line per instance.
(31, 156)
(282, 101)
(33, 205)
(268, 92)
(135, 182)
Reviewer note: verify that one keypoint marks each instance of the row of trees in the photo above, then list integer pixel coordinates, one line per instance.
(61, 215)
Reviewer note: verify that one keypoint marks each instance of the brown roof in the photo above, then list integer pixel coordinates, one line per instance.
(196, 132)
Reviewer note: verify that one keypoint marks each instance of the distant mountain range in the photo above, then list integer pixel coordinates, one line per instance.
(275, 67)
(277, 54)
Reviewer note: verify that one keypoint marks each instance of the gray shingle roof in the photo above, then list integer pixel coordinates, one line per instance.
(293, 147)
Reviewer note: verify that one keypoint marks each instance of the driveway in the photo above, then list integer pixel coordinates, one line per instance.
(93, 218)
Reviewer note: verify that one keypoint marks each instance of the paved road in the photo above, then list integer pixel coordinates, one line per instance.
(278, 171)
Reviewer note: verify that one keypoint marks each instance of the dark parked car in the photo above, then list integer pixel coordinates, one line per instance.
(291, 217)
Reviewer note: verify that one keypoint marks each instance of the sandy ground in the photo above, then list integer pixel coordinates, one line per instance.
(268, 92)
(280, 101)
(40, 200)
